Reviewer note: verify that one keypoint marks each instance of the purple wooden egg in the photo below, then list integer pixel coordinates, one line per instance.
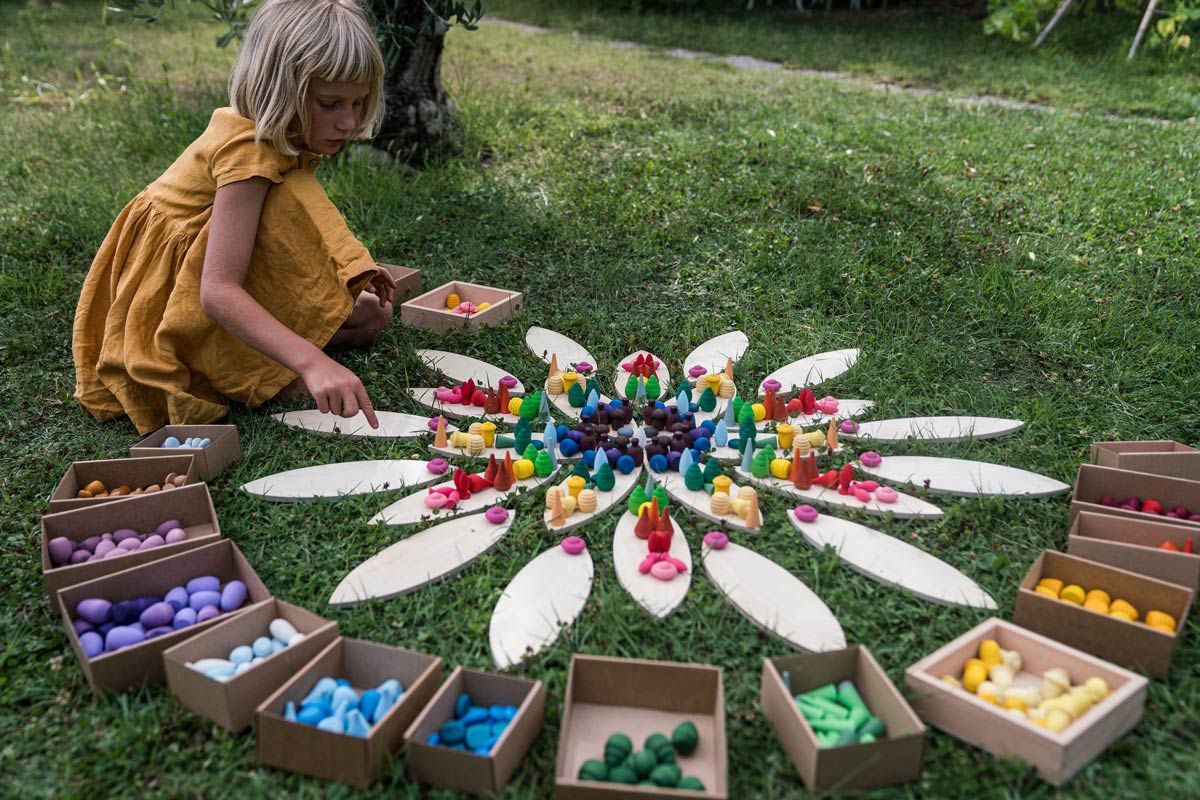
(104, 548)
(60, 549)
(177, 597)
(183, 618)
(233, 596)
(207, 613)
(92, 643)
(129, 545)
(80, 556)
(153, 540)
(175, 535)
(167, 526)
(159, 631)
(90, 543)
(94, 610)
(127, 612)
(121, 534)
(199, 600)
(82, 626)
(205, 583)
(123, 636)
(105, 628)
(115, 553)
(157, 615)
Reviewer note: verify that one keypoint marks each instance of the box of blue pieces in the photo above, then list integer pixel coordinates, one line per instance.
(475, 732)
(345, 713)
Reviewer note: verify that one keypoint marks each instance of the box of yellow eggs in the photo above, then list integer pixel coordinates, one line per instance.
(1015, 693)
(1121, 616)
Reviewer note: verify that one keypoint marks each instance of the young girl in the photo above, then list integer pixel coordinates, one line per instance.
(227, 276)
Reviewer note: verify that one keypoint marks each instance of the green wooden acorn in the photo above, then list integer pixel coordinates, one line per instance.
(643, 762)
(691, 782)
(617, 749)
(685, 738)
(593, 770)
(666, 775)
(622, 775)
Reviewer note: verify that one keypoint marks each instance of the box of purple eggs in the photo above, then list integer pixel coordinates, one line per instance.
(356, 749)
(89, 543)
(120, 625)
(214, 446)
(260, 649)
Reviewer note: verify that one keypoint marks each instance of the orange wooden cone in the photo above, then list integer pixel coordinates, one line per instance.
(831, 440)
(654, 513)
(780, 412)
(729, 368)
(492, 406)
(492, 468)
(797, 467)
(664, 521)
(439, 436)
(553, 366)
(504, 399)
(644, 526)
(769, 401)
(557, 517)
(811, 471)
(753, 516)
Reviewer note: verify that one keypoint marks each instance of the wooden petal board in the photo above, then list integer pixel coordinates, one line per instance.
(604, 501)
(392, 424)
(730, 455)
(812, 370)
(411, 509)
(773, 598)
(427, 396)
(958, 476)
(847, 409)
(548, 593)
(563, 404)
(498, 452)
(660, 598)
(935, 429)
(893, 562)
(462, 368)
(905, 507)
(341, 480)
(697, 501)
(664, 375)
(713, 354)
(421, 559)
(544, 343)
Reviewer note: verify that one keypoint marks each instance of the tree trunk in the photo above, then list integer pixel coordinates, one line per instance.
(420, 120)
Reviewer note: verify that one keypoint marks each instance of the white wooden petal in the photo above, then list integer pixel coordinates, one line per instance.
(713, 354)
(905, 507)
(621, 376)
(893, 562)
(563, 404)
(421, 559)
(392, 424)
(498, 452)
(604, 501)
(812, 370)
(958, 476)
(660, 598)
(544, 343)
(411, 509)
(730, 455)
(427, 396)
(698, 501)
(342, 480)
(548, 593)
(462, 368)
(935, 429)
(773, 598)
(847, 409)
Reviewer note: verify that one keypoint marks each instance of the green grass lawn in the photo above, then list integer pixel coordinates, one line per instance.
(989, 262)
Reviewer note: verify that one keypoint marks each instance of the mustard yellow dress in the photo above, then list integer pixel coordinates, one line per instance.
(143, 346)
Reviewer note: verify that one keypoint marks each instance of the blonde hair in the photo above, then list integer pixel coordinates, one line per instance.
(288, 44)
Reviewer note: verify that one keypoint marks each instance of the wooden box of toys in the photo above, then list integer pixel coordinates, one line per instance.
(628, 721)
(1160, 550)
(1120, 616)
(458, 305)
(841, 720)
(1136, 495)
(1168, 458)
(90, 483)
(214, 446)
(1075, 705)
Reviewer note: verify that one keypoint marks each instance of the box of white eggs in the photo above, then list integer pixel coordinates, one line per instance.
(120, 625)
(214, 446)
(225, 672)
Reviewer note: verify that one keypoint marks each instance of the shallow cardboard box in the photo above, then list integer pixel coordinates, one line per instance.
(231, 703)
(429, 310)
(638, 698)
(408, 281)
(337, 756)
(462, 770)
(1093, 482)
(1129, 644)
(191, 505)
(1168, 458)
(210, 461)
(114, 472)
(894, 759)
(1134, 544)
(131, 666)
(1057, 756)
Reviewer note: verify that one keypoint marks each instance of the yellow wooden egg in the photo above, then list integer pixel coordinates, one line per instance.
(1014, 703)
(522, 468)
(1161, 626)
(989, 652)
(1159, 619)
(483, 305)
(1046, 590)
(780, 467)
(1057, 720)
(1098, 594)
(974, 674)
(1125, 615)
(816, 438)
(569, 504)
(452, 300)
(952, 681)
(1072, 594)
(989, 697)
(1097, 688)
(1124, 607)
(1051, 583)
(1096, 605)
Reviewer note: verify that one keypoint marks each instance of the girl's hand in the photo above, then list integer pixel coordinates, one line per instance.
(338, 390)
(383, 286)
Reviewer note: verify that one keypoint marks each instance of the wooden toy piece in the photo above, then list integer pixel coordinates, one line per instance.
(604, 501)
(753, 515)
(439, 436)
(729, 368)
(831, 436)
(462, 368)
(553, 366)
(412, 509)
(341, 480)
(545, 596)
(427, 396)
(392, 425)
(658, 597)
(772, 598)
(905, 506)
(718, 352)
(847, 409)
(563, 403)
(935, 429)
(963, 478)
(662, 373)
(893, 562)
(812, 370)
(557, 517)
(421, 559)
(543, 343)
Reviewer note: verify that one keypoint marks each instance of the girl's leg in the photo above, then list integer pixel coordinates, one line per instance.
(366, 321)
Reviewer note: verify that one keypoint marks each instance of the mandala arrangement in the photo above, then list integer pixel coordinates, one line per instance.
(654, 447)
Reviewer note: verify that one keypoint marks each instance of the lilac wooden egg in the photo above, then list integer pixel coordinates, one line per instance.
(233, 596)
(94, 610)
(60, 549)
(205, 597)
(157, 615)
(207, 613)
(169, 525)
(205, 583)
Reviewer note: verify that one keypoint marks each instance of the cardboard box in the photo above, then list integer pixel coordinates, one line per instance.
(336, 756)
(895, 759)
(210, 461)
(1168, 458)
(231, 704)
(1057, 756)
(131, 666)
(1093, 482)
(462, 770)
(1131, 644)
(132, 472)
(638, 698)
(429, 310)
(191, 505)
(1134, 544)
(408, 281)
